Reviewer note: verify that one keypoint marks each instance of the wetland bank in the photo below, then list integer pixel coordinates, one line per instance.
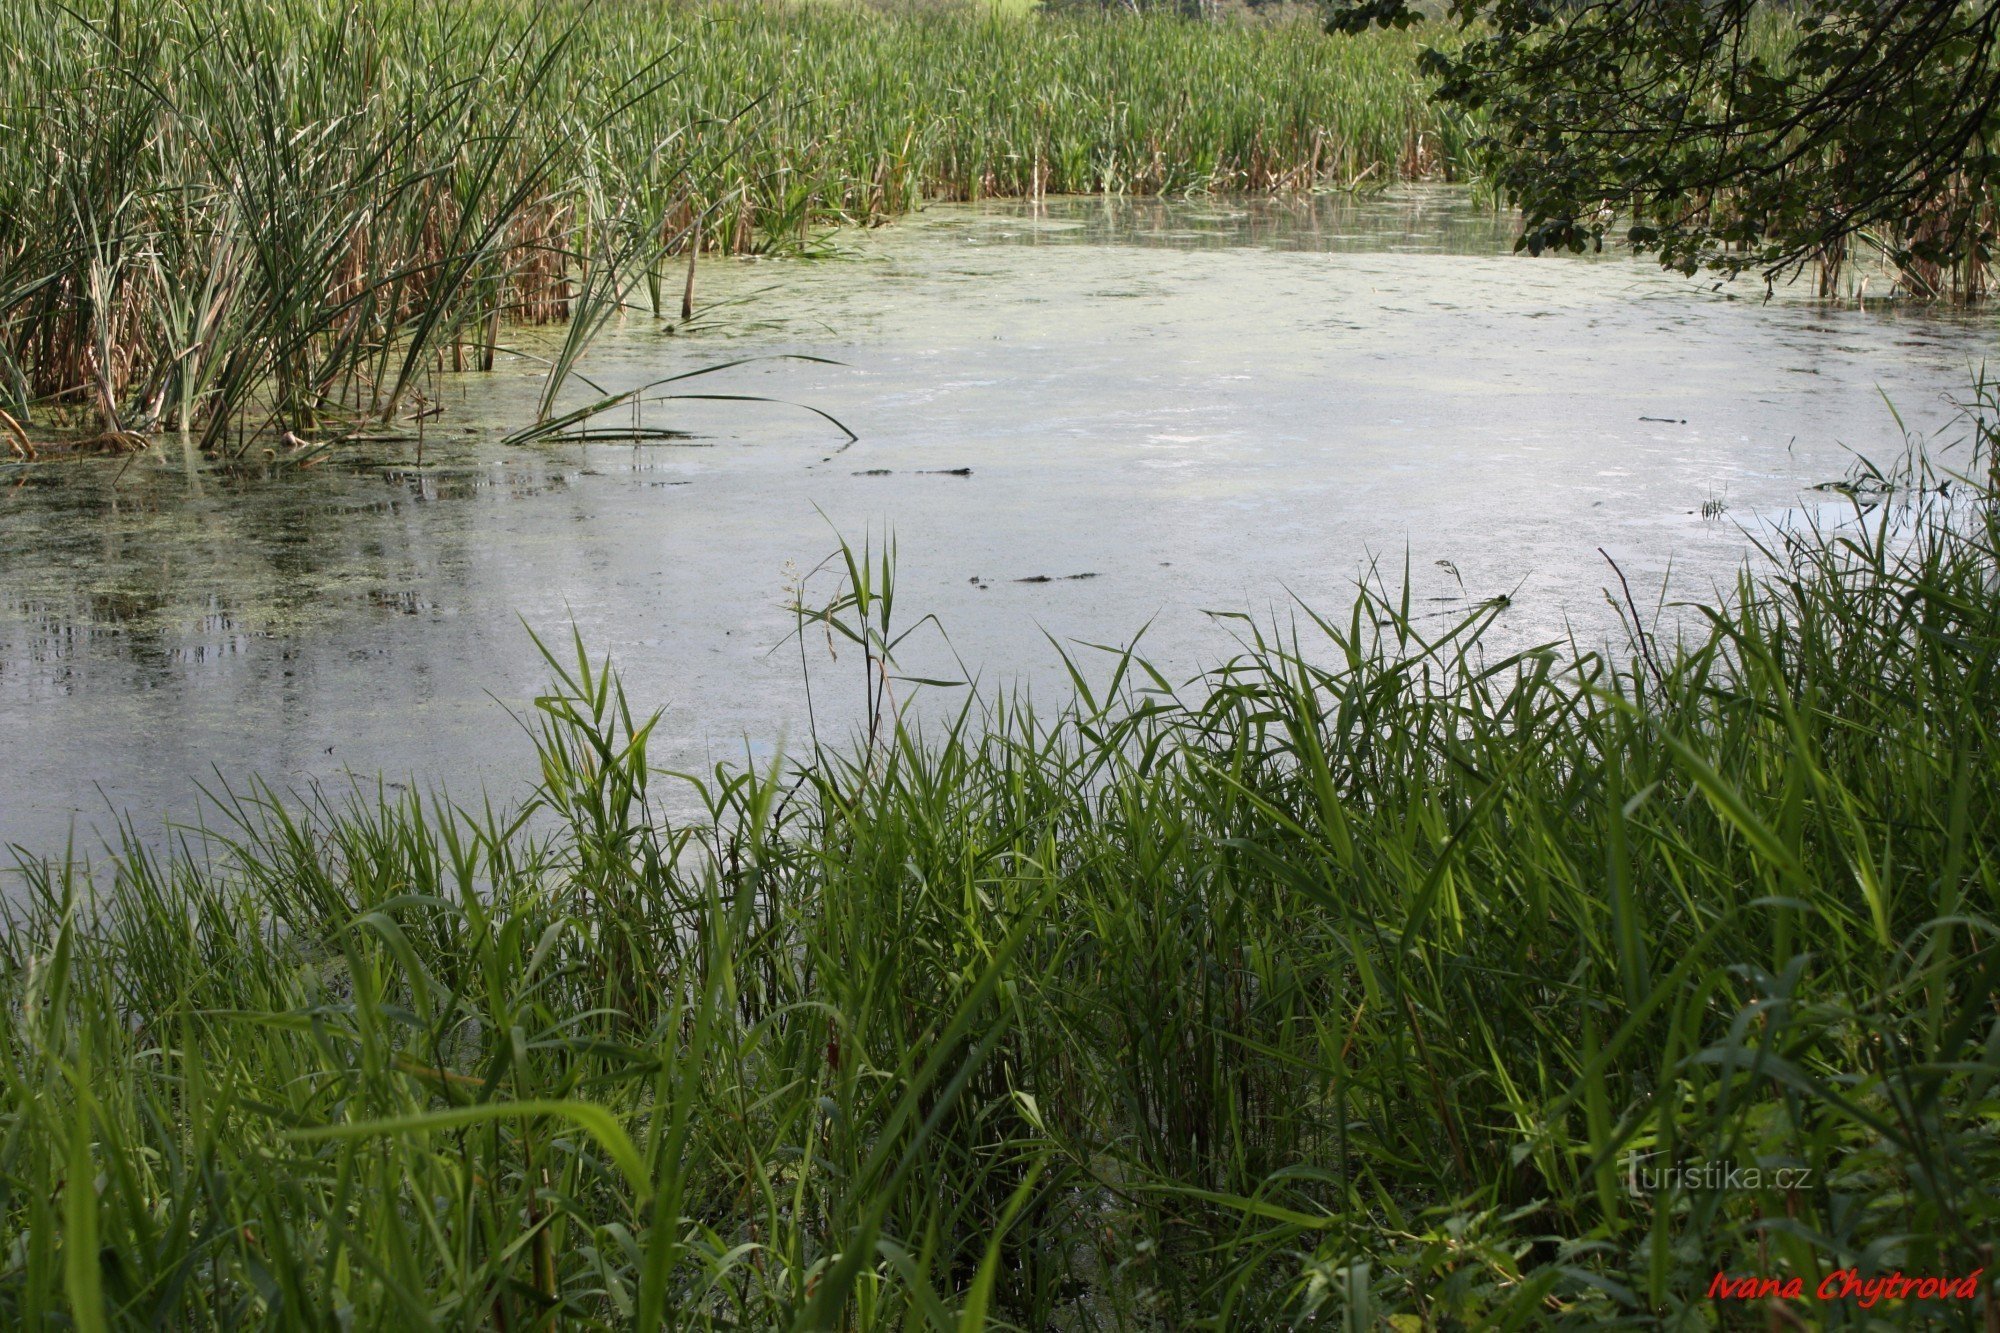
(1327, 959)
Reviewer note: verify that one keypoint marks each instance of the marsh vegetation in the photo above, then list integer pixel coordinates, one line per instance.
(271, 225)
(1345, 982)
(1392, 973)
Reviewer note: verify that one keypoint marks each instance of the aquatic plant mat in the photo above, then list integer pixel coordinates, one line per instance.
(1363, 976)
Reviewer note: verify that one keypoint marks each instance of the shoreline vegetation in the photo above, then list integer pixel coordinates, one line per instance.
(1365, 977)
(273, 225)
(1377, 979)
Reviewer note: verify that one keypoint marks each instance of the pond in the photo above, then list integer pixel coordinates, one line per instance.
(1080, 418)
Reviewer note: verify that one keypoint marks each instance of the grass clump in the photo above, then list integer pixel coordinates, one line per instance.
(1346, 982)
(248, 220)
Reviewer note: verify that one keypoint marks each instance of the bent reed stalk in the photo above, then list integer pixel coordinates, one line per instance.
(1350, 981)
(246, 219)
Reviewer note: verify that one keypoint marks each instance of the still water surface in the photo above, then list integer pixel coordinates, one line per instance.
(1201, 406)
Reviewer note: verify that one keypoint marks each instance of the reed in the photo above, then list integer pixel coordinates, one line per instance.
(254, 221)
(1342, 983)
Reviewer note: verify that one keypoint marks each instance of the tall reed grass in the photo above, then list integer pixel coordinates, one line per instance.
(250, 219)
(1343, 983)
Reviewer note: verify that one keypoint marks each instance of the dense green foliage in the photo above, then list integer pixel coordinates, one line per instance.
(1737, 134)
(219, 215)
(1342, 982)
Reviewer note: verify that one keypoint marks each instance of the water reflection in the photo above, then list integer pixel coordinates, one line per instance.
(1199, 404)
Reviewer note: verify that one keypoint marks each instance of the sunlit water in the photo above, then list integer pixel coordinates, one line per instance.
(1201, 406)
